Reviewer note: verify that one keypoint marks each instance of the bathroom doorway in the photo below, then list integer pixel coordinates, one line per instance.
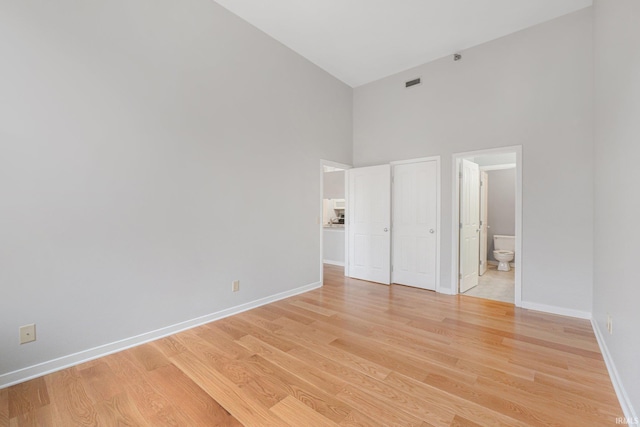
(487, 199)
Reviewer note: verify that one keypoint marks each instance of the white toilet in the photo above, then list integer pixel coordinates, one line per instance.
(504, 250)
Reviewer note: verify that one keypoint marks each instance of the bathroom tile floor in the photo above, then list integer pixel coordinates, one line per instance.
(495, 285)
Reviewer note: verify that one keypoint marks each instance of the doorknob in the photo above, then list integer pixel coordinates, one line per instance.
(432, 231)
(386, 229)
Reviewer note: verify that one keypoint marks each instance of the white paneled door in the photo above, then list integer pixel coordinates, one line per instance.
(369, 218)
(469, 225)
(415, 224)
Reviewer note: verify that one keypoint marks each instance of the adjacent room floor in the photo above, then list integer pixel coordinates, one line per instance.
(495, 285)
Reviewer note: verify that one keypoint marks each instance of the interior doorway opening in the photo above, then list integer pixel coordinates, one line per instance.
(332, 215)
(487, 209)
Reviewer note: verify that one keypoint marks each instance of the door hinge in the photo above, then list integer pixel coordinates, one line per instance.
(480, 222)
(460, 226)
(392, 268)
(460, 276)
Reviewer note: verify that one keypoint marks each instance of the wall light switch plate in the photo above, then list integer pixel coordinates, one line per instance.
(235, 285)
(27, 333)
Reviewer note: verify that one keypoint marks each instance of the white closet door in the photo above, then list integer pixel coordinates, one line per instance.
(369, 218)
(415, 224)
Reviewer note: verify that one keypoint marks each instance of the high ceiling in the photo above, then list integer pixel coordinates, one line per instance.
(359, 41)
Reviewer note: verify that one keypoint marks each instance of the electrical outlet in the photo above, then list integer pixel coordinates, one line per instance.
(27, 333)
(235, 285)
(609, 323)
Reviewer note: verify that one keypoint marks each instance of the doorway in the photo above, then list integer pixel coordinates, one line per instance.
(331, 218)
(473, 269)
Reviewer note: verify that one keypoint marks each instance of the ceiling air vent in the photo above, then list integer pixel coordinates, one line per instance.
(413, 82)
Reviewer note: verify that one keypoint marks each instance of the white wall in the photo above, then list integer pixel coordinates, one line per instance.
(617, 136)
(533, 88)
(147, 149)
(333, 246)
(333, 185)
(502, 205)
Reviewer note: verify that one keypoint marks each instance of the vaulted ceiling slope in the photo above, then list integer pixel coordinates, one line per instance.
(359, 41)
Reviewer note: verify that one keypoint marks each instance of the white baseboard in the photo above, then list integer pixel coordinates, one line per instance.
(623, 397)
(54, 365)
(446, 291)
(331, 262)
(556, 310)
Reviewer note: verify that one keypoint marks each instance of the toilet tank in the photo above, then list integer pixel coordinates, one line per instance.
(504, 243)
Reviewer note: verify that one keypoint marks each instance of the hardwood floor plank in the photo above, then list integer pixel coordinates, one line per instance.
(300, 414)
(69, 400)
(150, 356)
(291, 385)
(302, 370)
(96, 381)
(189, 399)
(119, 411)
(368, 405)
(222, 390)
(344, 358)
(4, 407)
(278, 311)
(424, 407)
(501, 403)
(459, 421)
(35, 418)
(169, 346)
(27, 397)
(222, 342)
(313, 308)
(152, 402)
(456, 404)
(358, 419)
(579, 389)
(398, 361)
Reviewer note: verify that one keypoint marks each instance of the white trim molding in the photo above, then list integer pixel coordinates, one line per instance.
(552, 309)
(54, 365)
(623, 397)
(331, 262)
(498, 167)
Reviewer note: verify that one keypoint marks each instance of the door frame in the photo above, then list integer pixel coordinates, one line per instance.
(455, 216)
(330, 163)
(438, 208)
(484, 214)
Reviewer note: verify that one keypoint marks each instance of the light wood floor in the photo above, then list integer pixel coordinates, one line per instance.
(351, 353)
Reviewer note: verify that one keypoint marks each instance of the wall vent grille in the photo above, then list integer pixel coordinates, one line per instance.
(413, 82)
